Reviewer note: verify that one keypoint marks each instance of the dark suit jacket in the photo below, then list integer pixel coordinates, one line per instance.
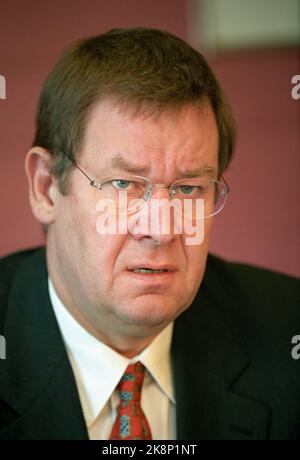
(233, 370)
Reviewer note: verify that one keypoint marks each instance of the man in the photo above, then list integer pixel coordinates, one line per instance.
(139, 334)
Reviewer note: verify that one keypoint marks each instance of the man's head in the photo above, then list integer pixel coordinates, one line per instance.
(147, 97)
(148, 70)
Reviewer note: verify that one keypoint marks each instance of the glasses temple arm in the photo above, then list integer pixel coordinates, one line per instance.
(78, 167)
(223, 179)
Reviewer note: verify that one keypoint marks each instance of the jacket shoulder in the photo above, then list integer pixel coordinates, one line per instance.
(247, 270)
(9, 266)
(260, 305)
(256, 283)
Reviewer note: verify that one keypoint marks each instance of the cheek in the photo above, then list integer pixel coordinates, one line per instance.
(106, 249)
(104, 252)
(105, 242)
(76, 227)
(196, 255)
(196, 258)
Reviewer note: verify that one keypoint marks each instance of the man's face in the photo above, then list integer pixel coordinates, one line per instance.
(92, 272)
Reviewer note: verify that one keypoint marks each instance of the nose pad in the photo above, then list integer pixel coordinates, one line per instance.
(172, 193)
(147, 194)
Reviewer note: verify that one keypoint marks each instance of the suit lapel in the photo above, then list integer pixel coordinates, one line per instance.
(37, 381)
(208, 360)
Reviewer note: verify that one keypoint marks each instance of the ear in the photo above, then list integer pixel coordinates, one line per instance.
(42, 186)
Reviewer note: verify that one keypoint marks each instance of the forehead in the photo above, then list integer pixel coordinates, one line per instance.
(185, 138)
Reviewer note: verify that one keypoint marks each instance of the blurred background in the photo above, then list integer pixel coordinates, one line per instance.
(252, 46)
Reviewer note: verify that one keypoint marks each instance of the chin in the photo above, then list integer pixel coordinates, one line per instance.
(151, 312)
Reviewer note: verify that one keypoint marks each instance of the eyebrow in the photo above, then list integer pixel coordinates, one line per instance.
(202, 171)
(119, 162)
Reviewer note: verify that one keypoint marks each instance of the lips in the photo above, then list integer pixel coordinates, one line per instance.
(149, 271)
(146, 268)
(152, 278)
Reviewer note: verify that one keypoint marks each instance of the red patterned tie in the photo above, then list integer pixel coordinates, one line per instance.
(131, 422)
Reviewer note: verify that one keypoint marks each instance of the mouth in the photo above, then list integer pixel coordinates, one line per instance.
(152, 278)
(152, 275)
(149, 271)
(146, 269)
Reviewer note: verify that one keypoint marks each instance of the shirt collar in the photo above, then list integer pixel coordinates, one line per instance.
(98, 368)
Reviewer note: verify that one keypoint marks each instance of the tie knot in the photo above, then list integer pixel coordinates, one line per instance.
(130, 385)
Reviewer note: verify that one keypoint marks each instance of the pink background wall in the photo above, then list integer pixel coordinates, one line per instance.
(261, 223)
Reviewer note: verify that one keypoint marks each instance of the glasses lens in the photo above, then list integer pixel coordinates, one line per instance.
(125, 193)
(201, 198)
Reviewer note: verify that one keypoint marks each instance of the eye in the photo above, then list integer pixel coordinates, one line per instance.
(188, 189)
(122, 184)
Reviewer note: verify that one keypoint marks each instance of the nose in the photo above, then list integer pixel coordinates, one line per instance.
(155, 222)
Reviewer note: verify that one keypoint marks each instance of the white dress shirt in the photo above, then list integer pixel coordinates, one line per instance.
(98, 369)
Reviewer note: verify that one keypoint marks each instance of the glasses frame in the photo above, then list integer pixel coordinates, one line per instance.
(148, 193)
